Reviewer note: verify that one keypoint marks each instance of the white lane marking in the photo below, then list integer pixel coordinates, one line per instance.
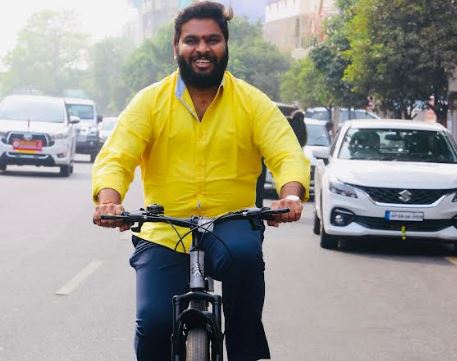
(453, 260)
(79, 278)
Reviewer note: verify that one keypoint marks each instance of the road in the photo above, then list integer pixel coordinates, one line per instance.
(67, 291)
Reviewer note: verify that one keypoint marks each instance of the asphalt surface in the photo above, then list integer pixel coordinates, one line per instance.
(67, 291)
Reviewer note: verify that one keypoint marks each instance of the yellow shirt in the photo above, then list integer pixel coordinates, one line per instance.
(194, 167)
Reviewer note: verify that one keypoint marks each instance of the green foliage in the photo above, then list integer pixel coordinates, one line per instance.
(402, 50)
(104, 78)
(150, 62)
(47, 56)
(305, 84)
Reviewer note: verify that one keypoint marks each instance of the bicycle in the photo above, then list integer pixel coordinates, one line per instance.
(197, 332)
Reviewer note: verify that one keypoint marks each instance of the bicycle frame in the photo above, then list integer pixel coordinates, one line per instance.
(191, 309)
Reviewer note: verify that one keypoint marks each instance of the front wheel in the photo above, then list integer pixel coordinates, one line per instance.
(65, 170)
(316, 223)
(197, 345)
(92, 157)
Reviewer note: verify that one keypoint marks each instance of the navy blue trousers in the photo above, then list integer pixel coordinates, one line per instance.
(162, 273)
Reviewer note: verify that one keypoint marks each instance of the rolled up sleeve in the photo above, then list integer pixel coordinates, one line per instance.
(116, 163)
(279, 146)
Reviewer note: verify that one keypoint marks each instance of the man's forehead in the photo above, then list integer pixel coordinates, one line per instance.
(201, 27)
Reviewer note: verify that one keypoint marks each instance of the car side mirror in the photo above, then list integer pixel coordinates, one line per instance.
(323, 154)
(74, 119)
(99, 118)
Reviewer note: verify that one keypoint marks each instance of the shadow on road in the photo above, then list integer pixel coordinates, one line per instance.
(405, 250)
(27, 173)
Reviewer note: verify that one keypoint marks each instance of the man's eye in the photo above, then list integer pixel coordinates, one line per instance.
(189, 41)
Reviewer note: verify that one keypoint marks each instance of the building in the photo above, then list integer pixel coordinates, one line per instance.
(296, 25)
(151, 16)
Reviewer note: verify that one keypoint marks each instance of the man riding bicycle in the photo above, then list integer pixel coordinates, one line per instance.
(199, 136)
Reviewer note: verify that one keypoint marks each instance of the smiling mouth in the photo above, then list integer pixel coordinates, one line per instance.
(203, 63)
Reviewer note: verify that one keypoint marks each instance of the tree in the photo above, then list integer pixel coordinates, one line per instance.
(48, 56)
(104, 79)
(402, 50)
(305, 84)
(150, 62)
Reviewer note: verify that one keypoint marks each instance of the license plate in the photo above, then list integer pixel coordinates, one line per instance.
(404, 216)
(28, 146)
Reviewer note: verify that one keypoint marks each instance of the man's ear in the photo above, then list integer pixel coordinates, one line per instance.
(175, 50)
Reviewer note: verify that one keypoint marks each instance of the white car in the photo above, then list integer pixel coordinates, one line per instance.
(318, 139)
(387, 178)
(37, 130)
(87, 137)
(105, 128)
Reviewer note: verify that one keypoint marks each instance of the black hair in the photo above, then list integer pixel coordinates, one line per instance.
(204, 10)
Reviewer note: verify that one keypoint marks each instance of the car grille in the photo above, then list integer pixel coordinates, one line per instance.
(430, 225)
(46, 141)
(415, 196)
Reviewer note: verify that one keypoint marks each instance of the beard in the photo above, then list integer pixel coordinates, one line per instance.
(201, 80)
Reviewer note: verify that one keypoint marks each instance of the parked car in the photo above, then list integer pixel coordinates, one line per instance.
(295, 117)
(105, 128)
(317, 137)
(321, 113)
(37, 130)
(87, 138)
(388, 178)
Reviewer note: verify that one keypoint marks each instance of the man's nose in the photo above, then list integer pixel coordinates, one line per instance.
(202, 46)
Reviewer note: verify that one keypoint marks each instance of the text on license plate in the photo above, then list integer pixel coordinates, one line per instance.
(27, 145)
(404, 216)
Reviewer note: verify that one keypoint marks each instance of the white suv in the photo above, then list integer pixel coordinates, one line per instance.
(87, 133)
(36, 130)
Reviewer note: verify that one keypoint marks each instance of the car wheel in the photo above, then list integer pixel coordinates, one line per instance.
(65, 170)
(317, 223)
(2, 167)
(328, 241)
(92, 157)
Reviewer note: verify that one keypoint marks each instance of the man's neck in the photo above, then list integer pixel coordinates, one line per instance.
(202, 98)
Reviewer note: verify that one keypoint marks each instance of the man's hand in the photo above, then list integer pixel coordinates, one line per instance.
(109, 208)
(291, 202)
(109, 203)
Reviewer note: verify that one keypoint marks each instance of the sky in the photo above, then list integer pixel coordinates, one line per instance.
(100, 18)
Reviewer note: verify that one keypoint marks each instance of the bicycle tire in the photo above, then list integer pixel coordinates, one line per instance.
(197, 345)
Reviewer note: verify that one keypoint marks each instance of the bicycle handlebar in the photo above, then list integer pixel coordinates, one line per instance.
(154, 213)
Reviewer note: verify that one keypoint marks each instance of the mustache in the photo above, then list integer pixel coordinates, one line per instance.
(208, 57)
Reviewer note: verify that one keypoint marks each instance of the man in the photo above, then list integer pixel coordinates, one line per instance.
(198, 136)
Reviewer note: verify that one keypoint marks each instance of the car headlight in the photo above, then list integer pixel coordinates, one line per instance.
(60, 135)
(338, 187)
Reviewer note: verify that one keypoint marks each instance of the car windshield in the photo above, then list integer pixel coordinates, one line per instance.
(407, 145)
(357, 114)
(32, 109)
(317, 135)
(82, 111)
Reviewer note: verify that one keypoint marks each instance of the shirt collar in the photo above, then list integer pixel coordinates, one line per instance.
(181, 86)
